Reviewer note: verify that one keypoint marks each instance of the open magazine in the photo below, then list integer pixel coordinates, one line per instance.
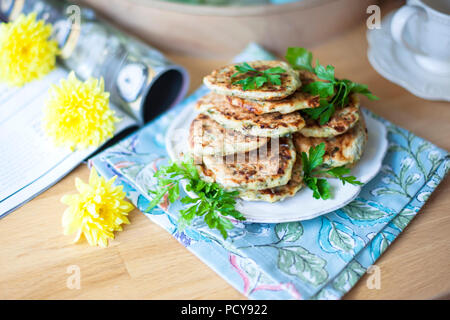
(141, 82)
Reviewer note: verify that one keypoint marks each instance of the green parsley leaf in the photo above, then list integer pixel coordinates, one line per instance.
(320, 186)
(362, 89)
(247, 83)
(319, 88)
(260, 81)
(326, 114)
(335, 91)
(315, 156)
(274, 79)
(324, 188)
(274, 70)
(243, 68)
(322, 113)
(311, 182)
(299, 58)
(257, 79)
(339, 173)
(324, 73)
(213, 203)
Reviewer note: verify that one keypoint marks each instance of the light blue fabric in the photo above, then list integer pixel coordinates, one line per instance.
(321, 258)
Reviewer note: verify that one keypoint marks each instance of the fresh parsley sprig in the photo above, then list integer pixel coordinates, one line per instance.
(212, 202)
(320, 186)
(257, 78)
(333, 92)
(340, 173)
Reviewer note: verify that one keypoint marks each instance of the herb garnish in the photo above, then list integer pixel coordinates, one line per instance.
(212, 202)
(333, 92)
(258, 78)
(320, 186)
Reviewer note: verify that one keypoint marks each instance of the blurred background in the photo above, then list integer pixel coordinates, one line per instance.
(222, 28)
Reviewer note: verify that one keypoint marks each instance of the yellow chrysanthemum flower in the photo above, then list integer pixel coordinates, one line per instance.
(97, 211)
(26, 50)
(77, 113)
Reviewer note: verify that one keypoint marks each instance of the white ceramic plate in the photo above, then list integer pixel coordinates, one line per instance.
(302, 206)
(398, 65)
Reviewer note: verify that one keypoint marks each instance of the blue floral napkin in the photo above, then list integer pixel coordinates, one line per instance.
(321, 258)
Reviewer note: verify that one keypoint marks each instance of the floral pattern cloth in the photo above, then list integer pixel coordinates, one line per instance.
(321, 258)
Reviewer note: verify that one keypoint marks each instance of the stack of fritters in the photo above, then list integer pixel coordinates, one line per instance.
(247, 140)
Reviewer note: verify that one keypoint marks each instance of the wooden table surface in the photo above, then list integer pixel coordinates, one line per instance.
(146, 262)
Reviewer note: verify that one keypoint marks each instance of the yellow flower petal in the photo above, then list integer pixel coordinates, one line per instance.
(77, 113)
(26, 51)
(96, 212)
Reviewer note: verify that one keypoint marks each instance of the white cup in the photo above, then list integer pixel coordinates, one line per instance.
(423, 27)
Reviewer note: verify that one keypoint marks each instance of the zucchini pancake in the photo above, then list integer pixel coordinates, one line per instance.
(297, 101)
(278, 193)
(249, 138)
(240, 119)
(342, 120)
(207, 137)
(343, 150)
(221, 82)
(255, 170)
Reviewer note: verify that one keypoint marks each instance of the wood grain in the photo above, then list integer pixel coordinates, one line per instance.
(146, 262)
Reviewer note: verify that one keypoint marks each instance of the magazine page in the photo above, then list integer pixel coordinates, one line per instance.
(141, 82)
(29, 162)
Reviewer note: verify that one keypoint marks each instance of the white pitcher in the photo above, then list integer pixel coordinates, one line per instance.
(423, 27)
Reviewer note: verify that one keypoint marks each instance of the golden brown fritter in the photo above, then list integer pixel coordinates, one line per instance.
(255, 170)
(340, 122)
(232, 117)
(342, 150)
(220, 81)
(278, 193)
(207, 137)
